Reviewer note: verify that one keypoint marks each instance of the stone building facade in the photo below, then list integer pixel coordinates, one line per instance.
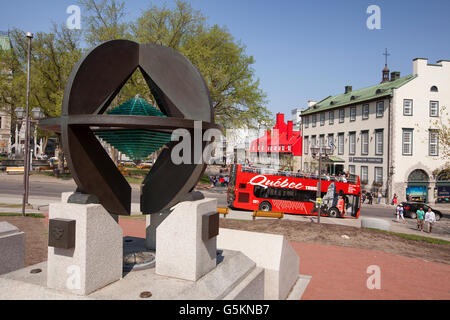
(385, 133)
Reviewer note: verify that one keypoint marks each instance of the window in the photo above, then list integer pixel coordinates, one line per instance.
(379, 142)
(322, 140)
(341, 143)
(306, 145)
(341, 115)
(433, 146)
(351, 169)
(365, 111)
(331, 117)
(378, 177)
(380, 109)
(322, 118)
(306, 121)
(352, 113)
(314, 120)
(313, 141)
(331, 142)
(352, 143)
(407, 142)
(407, 107)
(434, 89)
(364, 174)
(434, 108)
(364, 142)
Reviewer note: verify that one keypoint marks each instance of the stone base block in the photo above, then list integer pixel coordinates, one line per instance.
(235, 277)
(96, 259)
(180, 250)
(152, 221)
(12, 248)
(272, 252)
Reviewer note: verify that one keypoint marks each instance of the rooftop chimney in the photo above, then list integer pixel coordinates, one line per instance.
(395, 75)
(290, 129)
(311, 103)
(348, 89)
(280, 124)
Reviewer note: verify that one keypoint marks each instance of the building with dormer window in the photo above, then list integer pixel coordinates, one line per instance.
(384, 133)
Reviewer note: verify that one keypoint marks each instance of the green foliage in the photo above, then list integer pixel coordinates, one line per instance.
(414, 237)
(235, 94)
(227, 68)
(14, 214)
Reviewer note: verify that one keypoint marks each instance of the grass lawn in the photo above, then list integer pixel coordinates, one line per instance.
(15, 214)
(414, 237)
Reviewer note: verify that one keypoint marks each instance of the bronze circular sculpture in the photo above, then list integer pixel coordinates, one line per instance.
(181, 94)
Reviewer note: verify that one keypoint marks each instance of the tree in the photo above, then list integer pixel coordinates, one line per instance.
(236, 96)
(442, 127)
(53, 56)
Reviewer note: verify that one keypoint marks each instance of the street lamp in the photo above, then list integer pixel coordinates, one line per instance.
(21, 114)
(321, 152)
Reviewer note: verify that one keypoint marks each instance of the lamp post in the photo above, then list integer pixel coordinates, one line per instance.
(320, 152)
(27, 130)
(21, 114)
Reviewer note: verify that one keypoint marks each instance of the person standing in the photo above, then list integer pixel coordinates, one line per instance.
(370, 197)
(379, 197)
(394, 200)
(400, 213)
(420, 215)
(430, 218)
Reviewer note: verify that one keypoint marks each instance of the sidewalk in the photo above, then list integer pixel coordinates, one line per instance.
(445, 208)
(341, 273)
(40, 205)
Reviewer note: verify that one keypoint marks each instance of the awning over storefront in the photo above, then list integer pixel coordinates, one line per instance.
(333, 159)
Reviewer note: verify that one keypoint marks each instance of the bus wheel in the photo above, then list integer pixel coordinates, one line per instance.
(265, 206)
(334, 213)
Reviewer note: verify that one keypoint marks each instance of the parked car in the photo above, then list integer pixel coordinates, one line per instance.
(443, 200)
(144, 165)
(410, 208)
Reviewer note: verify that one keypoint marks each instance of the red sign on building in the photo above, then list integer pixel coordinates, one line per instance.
(282, 139)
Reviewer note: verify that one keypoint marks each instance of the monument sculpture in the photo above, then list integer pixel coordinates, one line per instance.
(182, 96)
(86, 247)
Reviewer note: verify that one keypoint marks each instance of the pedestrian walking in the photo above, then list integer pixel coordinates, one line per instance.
(370, 197)
(363, 197)
(430, 218)
(379, 197)
(420, 215)
(399, 211)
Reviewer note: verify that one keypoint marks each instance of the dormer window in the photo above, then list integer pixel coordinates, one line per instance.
(379, 91)
(353, 97)
(434, 89)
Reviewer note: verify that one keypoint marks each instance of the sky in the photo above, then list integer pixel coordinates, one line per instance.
(304, 49)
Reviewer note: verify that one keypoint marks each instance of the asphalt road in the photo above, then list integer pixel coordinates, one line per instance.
(49, 189)
(52, 188)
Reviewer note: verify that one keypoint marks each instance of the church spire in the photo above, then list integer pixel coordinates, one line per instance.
(386, 69)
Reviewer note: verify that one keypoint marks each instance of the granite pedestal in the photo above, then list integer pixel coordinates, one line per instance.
(96, 259)
(181, 250)
(12, 248)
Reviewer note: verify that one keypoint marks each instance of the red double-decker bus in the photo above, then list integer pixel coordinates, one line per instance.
(268, 190)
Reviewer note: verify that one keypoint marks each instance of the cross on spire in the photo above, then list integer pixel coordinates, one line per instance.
(386, 54)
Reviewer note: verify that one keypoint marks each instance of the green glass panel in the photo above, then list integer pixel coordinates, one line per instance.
(137, 144)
